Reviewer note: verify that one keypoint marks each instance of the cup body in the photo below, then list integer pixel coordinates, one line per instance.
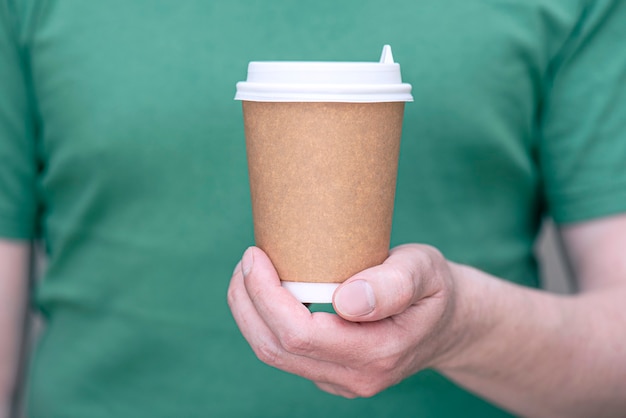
(322, 182)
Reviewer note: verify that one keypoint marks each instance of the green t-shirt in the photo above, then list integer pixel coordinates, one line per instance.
(122, 148)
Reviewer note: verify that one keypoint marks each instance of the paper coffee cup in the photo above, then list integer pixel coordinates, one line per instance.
(322, 141)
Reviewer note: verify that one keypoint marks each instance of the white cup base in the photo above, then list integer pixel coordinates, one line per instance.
(311, 292)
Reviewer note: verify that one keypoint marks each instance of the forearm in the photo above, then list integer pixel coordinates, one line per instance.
(541, 354)
(13, 296)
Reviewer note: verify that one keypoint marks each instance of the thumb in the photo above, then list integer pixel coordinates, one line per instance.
(407, 276)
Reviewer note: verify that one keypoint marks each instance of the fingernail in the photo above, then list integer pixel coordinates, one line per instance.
(247, 261)
(355, 299)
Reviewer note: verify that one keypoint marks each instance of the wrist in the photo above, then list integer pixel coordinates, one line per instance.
(473, 316)
(495, 319)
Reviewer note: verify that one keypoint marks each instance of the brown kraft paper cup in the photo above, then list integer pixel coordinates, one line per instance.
(322, 181)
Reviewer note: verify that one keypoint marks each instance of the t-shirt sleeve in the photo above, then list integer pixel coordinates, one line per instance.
(18, 165)
(582, 148)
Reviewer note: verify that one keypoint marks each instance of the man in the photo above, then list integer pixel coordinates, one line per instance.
(122, 150)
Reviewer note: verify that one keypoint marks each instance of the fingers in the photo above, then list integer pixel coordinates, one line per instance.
(251, 326)
(282, 346)
(278, 308)
(345, 358)
(319, 335)
(410, 274)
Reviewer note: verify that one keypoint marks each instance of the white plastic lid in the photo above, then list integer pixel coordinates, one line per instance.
(302, 81)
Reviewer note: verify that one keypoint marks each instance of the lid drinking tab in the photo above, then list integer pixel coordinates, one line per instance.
(386, 57)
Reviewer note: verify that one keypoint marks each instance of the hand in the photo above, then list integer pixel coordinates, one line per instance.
(393, 320)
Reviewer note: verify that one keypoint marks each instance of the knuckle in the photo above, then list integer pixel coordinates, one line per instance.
(268, 353)
(371, 386)
(427, 259)
(404, 284)
(438, 265)
(367, 384)
(432, 267)
(367, 389)
(295, 341)
(385, 365)
(369, 392)
(434, 259)
(231, 297)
